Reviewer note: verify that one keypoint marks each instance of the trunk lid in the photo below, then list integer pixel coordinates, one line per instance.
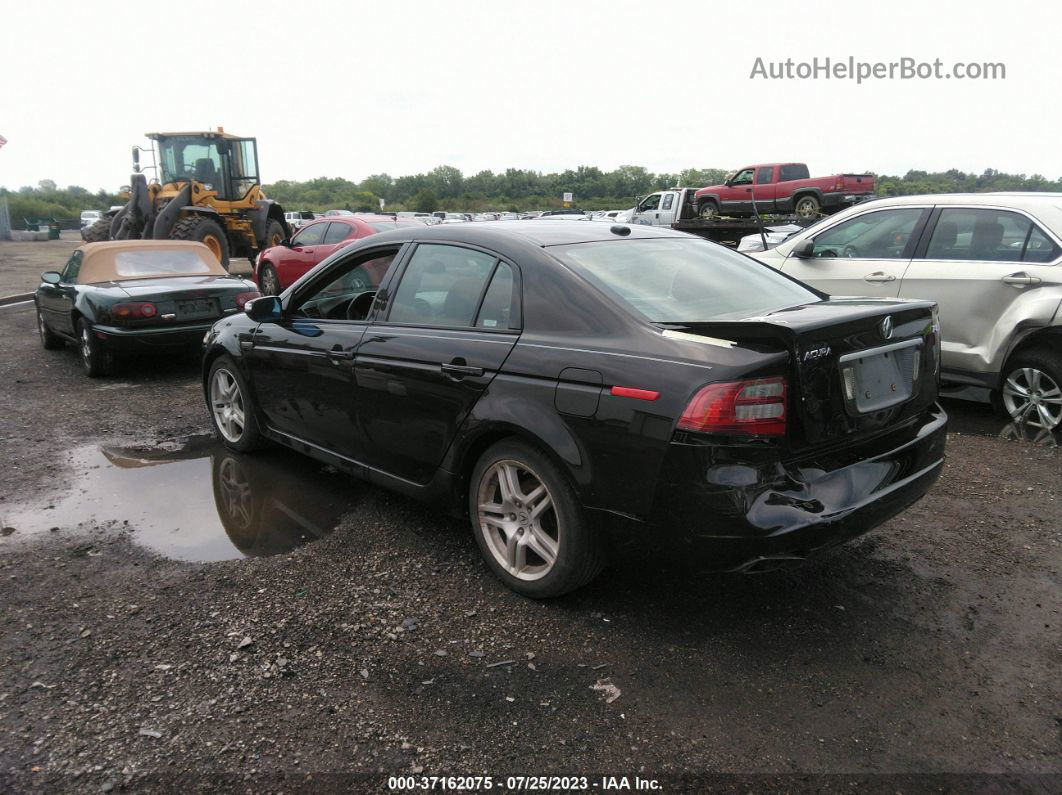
(857, 367)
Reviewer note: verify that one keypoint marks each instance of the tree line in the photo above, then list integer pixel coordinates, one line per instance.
(447, 188)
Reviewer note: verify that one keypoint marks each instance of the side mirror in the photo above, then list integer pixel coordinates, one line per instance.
(51, 277)
(266, 309)
(286, 242)
(728, 182)
(804, 249)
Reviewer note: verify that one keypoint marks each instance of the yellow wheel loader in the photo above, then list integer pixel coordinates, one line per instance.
(206, 188)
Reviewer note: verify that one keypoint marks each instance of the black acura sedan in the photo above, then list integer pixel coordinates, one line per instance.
(124, 296)
(577, 387)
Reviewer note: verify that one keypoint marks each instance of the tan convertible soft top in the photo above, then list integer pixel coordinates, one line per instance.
(115, 260)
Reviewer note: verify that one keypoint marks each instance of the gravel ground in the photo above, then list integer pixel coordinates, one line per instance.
(930, 646)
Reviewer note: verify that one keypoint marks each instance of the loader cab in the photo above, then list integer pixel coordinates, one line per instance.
(223, 163)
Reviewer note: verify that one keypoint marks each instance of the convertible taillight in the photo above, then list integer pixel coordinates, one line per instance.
(243, 298)
(749, 408)
(134, 311)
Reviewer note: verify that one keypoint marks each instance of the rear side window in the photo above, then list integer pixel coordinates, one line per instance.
(979, 235)
(764, 175)
(442, 286)
(337, 232)
(499, 302)
(1040, 248)
(669, 199)
(792, 171)
(884, 234)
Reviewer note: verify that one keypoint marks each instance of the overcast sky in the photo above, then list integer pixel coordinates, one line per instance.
(355, 88)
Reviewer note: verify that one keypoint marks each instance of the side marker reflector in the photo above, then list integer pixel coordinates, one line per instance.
(637, 394)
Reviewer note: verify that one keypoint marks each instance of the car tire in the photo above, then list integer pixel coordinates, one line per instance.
(539, 555)
(708, 210)
(806, 207)
(49, 339)
(231, 409)
(1039, 371)
(268, 281)
(96, 359)
(204, 230)
(97, 232)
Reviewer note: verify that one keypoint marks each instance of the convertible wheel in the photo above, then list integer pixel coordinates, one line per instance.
(94, 358)
(49, 339)
(528, 523)
(1032, 389)
(231, 409)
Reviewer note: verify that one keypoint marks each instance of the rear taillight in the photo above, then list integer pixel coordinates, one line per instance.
(243, 298)
(748, 408)
(134, 311)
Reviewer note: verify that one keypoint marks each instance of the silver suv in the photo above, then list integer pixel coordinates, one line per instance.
(991, 261)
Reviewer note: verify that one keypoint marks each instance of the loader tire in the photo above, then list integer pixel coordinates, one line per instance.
(204, 230)
(274, 234)
(97, 232)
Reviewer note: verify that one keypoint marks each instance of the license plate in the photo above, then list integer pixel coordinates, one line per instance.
(196, 307)
(880, 378)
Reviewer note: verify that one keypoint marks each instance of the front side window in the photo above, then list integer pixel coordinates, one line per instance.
(70, 270)
(349, 291)
(310, 235)
(191, 157)
(337, 232)
(682, 281)
(743, 177)
(442, 286)
(649, 203)
(885, 234)
(764, 175)
(985, 235)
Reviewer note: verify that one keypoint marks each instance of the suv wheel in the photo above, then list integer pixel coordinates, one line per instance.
(528, 523)
(1032, 389)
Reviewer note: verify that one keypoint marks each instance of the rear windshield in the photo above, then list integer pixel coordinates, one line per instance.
(682, 281)
(154, 263)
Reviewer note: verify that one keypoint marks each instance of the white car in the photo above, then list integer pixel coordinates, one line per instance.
(89, 217)
(991, 261)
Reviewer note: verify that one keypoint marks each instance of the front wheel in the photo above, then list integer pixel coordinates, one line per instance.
(49, 339)
(204, 230)
(231, 409)
(1032, 389)
(97, 232)
(528, 523)
(268, 281)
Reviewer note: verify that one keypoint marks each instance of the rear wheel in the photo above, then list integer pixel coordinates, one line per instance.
(268, 281)
(206, 231)
(528, 523)
(97, 232)
(49, 339)
(709, 210)
(1032, 389)
(231, 409)
(274, 234)
(807, 207)
(95, 358)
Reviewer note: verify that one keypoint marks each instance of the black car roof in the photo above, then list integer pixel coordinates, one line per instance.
(538, 232)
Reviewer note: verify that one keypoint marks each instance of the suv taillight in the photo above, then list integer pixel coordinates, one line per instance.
(134, 311)
(749, 408)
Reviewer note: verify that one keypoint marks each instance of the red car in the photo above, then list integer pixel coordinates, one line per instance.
(279, 267)
(782, 188)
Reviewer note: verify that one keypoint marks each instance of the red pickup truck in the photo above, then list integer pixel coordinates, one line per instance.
(782, 188)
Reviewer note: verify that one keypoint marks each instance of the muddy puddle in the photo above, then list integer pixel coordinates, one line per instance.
(192, 501)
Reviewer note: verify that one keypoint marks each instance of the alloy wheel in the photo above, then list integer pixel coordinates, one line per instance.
(86, 345)
(518, 520)
(1031, 396)
(226, 403)
(40, 327)
(270, 283)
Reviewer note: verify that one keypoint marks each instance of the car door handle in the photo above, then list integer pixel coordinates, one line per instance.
(1021, 279)
(879, 277)
(337, 354)
(460, 370)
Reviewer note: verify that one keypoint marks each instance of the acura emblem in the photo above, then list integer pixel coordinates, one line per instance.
(886, 328)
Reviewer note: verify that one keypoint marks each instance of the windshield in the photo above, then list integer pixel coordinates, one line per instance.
(668, 280)
(210, 160)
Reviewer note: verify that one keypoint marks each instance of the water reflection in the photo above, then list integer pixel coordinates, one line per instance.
(195, 500)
